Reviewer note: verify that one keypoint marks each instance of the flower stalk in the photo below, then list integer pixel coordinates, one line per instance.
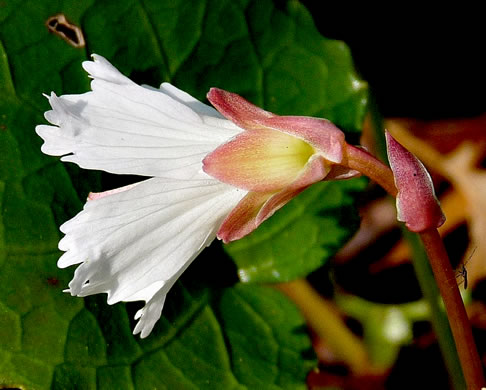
(362, 161)
(456, 312)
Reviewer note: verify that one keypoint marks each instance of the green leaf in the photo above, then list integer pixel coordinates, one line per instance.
(232, 337)
(265, 340)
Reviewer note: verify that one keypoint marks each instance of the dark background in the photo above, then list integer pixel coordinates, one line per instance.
(424, 62)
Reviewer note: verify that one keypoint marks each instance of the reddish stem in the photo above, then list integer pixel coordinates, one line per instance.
(458, 319)
(362, 161)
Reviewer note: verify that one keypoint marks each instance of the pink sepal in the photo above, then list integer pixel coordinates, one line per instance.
(417, 204)
(99, 195)
(320, 133)
(256, 207)
(237, 109)
(243, 218)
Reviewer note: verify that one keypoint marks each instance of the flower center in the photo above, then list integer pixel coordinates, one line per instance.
(259, 160)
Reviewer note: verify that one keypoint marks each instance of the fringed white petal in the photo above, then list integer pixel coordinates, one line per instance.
(134, 244)
(148, 315)
(121, 127)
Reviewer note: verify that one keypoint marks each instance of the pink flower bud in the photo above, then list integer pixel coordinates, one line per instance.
(417, 204)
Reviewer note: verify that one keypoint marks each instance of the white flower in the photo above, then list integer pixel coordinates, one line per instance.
(133, 243)
(210, 177)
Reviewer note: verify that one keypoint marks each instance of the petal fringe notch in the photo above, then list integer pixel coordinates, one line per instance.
(211, 174)
(416, 202)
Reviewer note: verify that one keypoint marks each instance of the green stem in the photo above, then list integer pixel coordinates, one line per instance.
(377, 126)
(438, 317)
